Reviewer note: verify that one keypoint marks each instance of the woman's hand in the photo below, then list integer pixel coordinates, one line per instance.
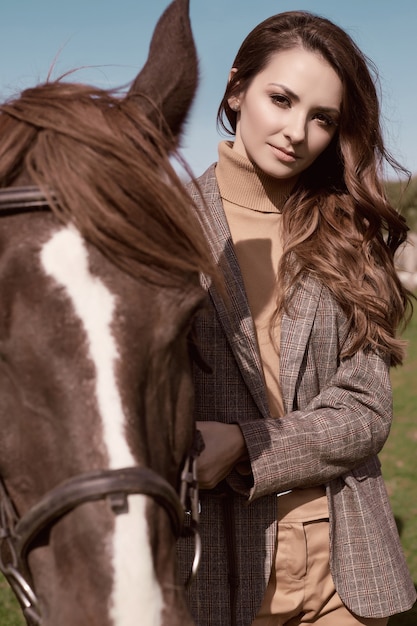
(224, 447)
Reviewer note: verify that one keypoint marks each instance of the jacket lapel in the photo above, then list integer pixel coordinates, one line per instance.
(233, 309)
(232, 306)
(295, 333)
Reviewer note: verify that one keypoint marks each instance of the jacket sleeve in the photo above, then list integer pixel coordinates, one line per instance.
(347, 422)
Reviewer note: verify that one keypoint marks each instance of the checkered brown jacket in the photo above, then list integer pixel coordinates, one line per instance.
(338, 418)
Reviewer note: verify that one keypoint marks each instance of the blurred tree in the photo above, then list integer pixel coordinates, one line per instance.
(403, 196)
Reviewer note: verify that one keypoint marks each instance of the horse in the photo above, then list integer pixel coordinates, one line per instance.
(100, 259)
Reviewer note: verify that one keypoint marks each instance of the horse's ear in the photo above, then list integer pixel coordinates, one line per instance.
(169, 78)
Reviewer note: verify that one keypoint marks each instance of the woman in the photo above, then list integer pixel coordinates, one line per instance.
(295, 403)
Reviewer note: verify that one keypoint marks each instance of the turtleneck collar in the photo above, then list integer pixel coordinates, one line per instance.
(244, 184)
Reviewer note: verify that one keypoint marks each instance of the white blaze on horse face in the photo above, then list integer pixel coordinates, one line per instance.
(136, 591)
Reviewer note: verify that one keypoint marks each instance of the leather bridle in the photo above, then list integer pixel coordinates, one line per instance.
(18, 535)
(14, 200)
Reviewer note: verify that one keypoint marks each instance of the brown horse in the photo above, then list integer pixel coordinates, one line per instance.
(100, 256)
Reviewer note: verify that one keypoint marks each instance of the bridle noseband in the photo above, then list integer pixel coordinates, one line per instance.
(18, 535)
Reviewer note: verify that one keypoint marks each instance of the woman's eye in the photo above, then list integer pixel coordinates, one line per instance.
(280, 100)
(325, 120)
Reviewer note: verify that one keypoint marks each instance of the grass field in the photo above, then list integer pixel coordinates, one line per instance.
(399, 468)
(399, 461)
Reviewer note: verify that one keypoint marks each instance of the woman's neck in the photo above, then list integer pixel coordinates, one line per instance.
(242, 183)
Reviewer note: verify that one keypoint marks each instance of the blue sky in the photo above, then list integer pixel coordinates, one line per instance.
(116, 35)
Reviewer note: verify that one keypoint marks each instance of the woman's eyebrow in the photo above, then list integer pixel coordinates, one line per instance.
(286, 89)
(333, 110)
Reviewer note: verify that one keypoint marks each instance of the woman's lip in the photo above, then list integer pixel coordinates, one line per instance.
(284, 155)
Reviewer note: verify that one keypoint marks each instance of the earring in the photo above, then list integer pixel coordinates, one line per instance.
(235, 106)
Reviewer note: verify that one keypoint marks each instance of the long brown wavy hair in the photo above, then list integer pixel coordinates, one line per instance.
(104, 166)
(338, 223)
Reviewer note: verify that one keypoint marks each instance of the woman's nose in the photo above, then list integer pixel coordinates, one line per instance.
(295, 129)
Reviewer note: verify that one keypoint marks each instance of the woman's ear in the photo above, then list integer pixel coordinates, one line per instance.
(231, 73)
(233, 101)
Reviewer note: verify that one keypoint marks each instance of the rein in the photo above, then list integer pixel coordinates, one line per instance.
(19, 534)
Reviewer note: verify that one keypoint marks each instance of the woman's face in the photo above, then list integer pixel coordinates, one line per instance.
(289, 113)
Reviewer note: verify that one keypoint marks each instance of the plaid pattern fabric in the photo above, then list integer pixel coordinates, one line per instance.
(338, 418)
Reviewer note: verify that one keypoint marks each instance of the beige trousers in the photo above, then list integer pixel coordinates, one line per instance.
(301, 589)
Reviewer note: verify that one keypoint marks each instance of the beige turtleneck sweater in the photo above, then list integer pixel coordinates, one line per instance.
(252, 202)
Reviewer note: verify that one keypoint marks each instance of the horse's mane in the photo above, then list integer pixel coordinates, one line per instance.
(104, 167)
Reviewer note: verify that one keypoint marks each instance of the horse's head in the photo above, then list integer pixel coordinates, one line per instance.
(99, 280)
